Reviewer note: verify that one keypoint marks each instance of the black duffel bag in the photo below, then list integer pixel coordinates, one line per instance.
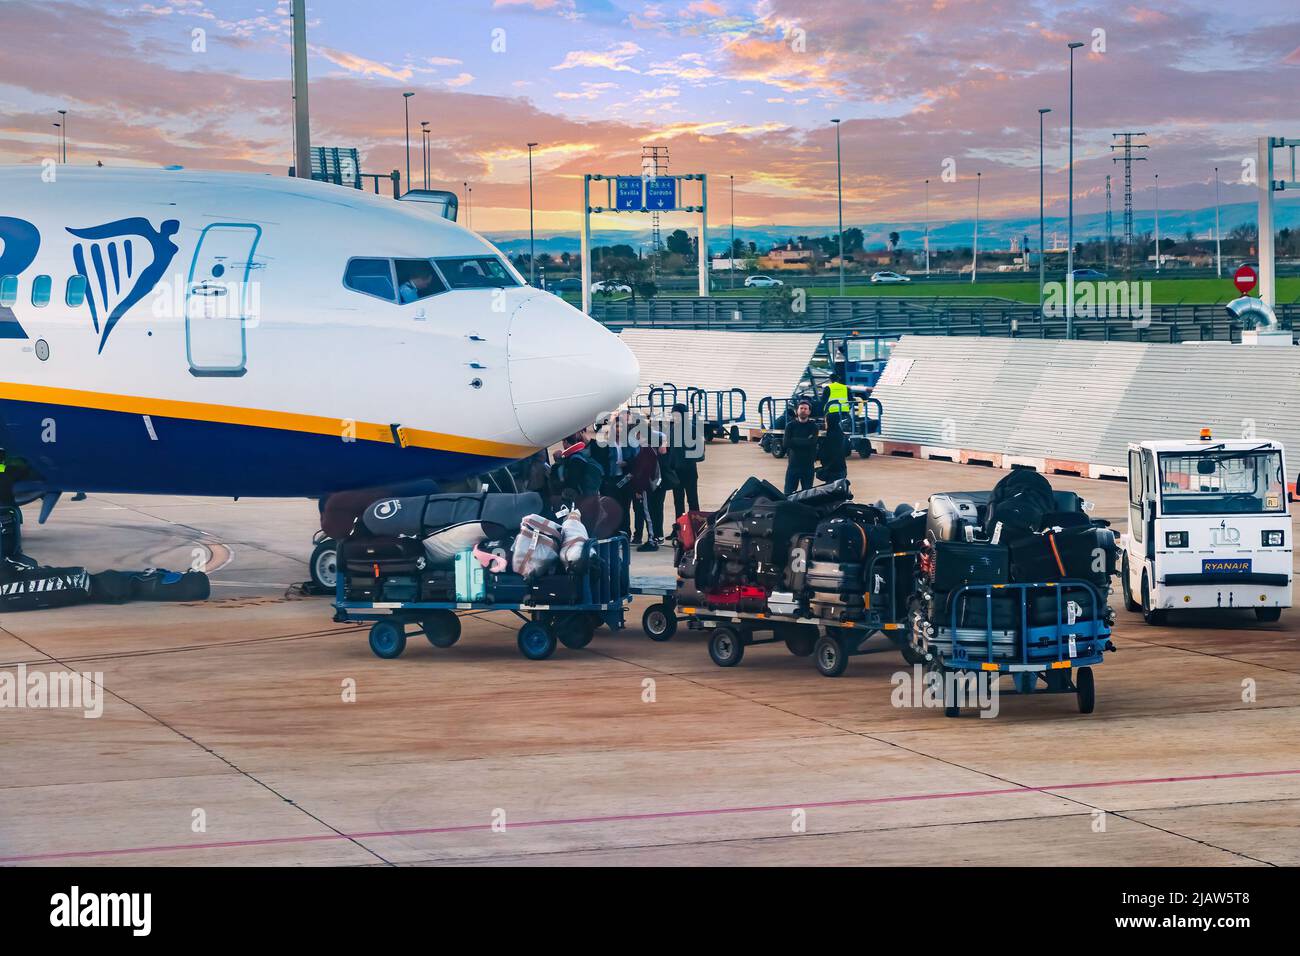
(159, 585)
(30, 588)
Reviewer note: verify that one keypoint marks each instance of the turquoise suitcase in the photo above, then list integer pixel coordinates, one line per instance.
(469, 578)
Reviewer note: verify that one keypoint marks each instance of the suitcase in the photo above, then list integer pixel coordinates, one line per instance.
(828, 576)
(506, 588)
(1083, 552)
(558, 589)
(689, 526)
(824, 498)
(28, 588)
(948, 517)
(974, 612)
(907, 531)
(400, 588)
(438, 586)
(837, 607)
(958, 563)
(469, 578)
(739, 598)
(839, 540)
(782, 602)
(797, 562)
(379, 556)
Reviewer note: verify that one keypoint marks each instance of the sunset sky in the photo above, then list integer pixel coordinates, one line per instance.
(730, 86)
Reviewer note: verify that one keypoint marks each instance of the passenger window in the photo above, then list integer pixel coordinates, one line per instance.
(476, 272)
(75, 294)
(371, 277)
(41, 286)
(8, 291)
(416, 280)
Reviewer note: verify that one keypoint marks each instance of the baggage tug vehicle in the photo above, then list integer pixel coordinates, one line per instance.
(1209, 527)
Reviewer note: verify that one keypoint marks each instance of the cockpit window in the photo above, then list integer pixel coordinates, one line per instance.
(371, 277)
(416, 280)
(476, 272)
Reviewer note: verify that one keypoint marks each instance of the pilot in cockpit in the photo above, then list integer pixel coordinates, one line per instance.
(418, 283)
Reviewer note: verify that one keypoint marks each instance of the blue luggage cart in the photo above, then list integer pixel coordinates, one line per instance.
(720, 410)
(1060, 654)
(605, 595)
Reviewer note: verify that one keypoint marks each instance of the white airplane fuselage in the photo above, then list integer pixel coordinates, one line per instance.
(218, 350)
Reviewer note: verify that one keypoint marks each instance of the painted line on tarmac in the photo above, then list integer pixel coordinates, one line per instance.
(638, 817)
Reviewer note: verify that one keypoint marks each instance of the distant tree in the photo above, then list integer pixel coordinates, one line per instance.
(565, 259)
(679, 242)
(853, 239)
(544, 260)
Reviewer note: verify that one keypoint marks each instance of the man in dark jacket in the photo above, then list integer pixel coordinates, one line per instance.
(801, 449)
(685, 467)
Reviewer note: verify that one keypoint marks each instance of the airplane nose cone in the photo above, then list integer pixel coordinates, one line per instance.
(565, 369)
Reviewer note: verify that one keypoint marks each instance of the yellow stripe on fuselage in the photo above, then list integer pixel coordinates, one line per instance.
(256, 418)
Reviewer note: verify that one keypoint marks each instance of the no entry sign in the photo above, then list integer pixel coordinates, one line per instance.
(1244, 279)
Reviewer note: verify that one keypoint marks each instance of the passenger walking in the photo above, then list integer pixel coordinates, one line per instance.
(801, 449)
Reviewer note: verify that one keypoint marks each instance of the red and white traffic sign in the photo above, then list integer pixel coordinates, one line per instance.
(1244, 279)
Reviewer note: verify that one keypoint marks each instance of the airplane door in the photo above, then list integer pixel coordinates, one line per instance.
(217, 299)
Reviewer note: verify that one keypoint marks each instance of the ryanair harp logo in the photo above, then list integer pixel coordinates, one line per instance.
(122, 262)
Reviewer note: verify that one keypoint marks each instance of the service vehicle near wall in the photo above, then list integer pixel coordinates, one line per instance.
(1209, 527)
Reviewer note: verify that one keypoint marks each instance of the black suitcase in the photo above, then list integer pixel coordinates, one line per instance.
(506, 588)
(907, 531)
(438, 585)
(958, 563)
(380, 556)
(974, 612)
(840, 540)
(1083, 552)
(403, 588)
(560, 589)
(27, 588)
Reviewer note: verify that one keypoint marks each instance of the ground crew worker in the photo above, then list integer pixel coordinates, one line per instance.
(801, 448)
(836, 398)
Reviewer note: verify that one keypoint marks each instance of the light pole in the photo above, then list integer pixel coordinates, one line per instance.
(975, 244)
(1042, 227)
(1157, 222)
(406, 102)
(532, 252)
(927, 227)
(1218, 247)
(58, 142)
(424, 152)
(731, 253)
(63, 135)
(839, 182)
(1069, 252)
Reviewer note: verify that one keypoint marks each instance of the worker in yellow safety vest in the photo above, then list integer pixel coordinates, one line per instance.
(836, 399)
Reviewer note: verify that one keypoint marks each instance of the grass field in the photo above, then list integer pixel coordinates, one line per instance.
(1163, 291)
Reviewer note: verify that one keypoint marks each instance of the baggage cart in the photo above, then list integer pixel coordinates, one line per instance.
(830, 643)
(1060, 654)
(720, 410)
(604, 590)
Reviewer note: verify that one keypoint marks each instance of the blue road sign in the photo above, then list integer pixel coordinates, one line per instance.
(627, 192)
(661, 193)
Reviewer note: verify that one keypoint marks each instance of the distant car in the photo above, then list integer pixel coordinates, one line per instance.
(568, 285)
(762, 282)
(609, 288)
(1088, 275)
(881, 278)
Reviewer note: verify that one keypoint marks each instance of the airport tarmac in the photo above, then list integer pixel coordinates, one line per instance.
(226, 738)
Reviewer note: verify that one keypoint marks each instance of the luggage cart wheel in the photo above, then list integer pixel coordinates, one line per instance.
(659, 623)
(442, 628)
(574, 631)
(1085, 689)
(387, 639)
(734, 434)
(953, 711)
(801, 645)
(778, 448)
(830, 656)
(536, 642)
(726, 647)
(323, 565)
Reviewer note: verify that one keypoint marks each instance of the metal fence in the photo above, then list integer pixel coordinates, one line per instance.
(888, 316)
